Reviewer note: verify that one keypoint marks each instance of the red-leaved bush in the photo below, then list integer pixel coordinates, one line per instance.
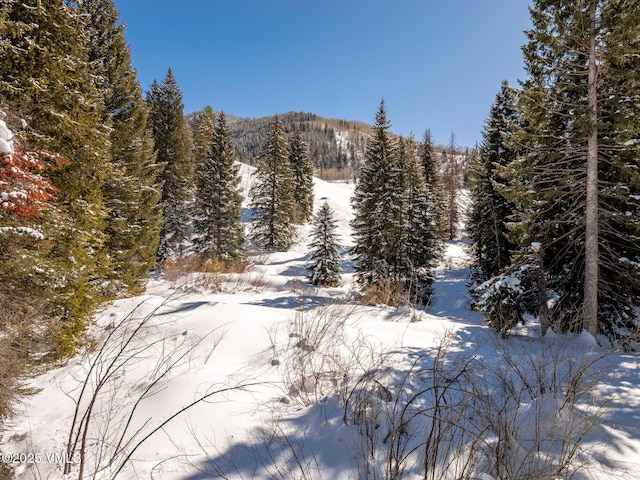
(24, 192)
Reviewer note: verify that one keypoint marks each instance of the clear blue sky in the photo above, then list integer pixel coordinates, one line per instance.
(437, 63)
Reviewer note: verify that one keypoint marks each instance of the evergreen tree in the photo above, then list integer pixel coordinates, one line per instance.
(451, 182)
(202, 125)
(490, 210)
(324, 261)
(433, 183)
(132, 192)
(173, 145)
(576, 107)
(272, 200)
(378, 226)
(46, 79)
(421, 243)
(218, 231)
(302, 178)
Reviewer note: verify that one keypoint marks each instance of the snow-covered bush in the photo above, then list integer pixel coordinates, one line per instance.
(505, 299)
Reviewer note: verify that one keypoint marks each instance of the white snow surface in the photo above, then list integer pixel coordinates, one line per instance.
(6, 137)
(285, 419)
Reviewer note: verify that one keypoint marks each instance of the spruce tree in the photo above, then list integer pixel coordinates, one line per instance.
(302, 178)
(132, 192)
(576, 181)
(202, 126)
(47, 80)
(323, 265)
(378, 226)
(272, 200)
(218, 207)
(451, 182)
(429, 162)
(421, 243)
(173, 145)
(490, 210)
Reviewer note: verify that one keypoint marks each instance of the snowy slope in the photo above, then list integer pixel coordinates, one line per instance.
(276, 366)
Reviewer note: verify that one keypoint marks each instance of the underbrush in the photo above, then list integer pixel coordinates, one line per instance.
(441, 413)
(213, 274)
(341, 175)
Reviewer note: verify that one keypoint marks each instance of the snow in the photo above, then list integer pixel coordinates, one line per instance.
(6, 144)
(280, 359)
(32, 232)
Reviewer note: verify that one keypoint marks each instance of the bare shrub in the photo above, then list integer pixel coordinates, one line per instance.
(386, 292)
(449, 415)
(540, 405)
(198, 273)
(107, 430)
(337, 175)
(26, 334)
(313, 359)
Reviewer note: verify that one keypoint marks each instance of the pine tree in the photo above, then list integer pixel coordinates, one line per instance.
(324, 260)
(218, 207)
(433, 182)
(422, 245)
(132, 193)
(173, 145)
(576, 108)
(47, 80)
(378, 207)
(302, 178)
(491, 211)
(272, 200)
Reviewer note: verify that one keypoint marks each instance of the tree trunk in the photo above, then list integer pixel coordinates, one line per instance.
(590, 305)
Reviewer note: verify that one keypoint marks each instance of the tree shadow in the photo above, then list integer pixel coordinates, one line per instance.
(186, 307)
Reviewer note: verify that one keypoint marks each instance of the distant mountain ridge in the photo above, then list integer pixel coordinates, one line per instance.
(334, 144)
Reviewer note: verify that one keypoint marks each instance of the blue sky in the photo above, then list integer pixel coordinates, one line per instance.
(437, 63)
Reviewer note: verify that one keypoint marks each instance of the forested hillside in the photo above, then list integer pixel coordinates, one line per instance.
(336, 147)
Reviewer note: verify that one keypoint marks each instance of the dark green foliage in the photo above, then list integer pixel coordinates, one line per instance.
(203, 124)
(490, 210)
(548, 183)
(452, 178)
(394, 227)
(324, 260)
(272, 200)
(377, 203)
(429, 160)
(302, 178)
(422, 244)
(173, 145)
(217, 228)
(132, 192)
(46, 78)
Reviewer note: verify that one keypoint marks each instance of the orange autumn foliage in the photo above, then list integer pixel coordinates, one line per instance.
(24, 192)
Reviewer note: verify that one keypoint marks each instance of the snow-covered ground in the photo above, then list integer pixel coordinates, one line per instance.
(287, 380)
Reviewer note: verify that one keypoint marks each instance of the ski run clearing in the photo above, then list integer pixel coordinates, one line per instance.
(290, 381)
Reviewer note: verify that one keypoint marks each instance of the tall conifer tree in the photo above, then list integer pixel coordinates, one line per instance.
(491, 211)
(378, 208)
(47, 80)
(217, 227)
(132, 192)
(421, 243)
(173, 145)
(302, 178)
(272, 200)
(576, 105)
(433, 183)
(202, 126)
